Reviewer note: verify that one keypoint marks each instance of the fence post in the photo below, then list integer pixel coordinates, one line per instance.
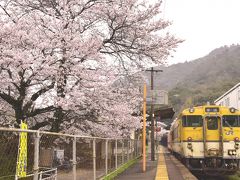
(132, 148)
(122, 151)
(138, 147)
(40, 178)
(106, 157)
(127, 150)
(56, 175)
(74, 158)
(116, 153)
(131, 152)
(94, 159)
(135, 147)
(36, 155)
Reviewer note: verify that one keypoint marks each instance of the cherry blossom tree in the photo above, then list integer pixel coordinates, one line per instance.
(63, 56)
(25, 73)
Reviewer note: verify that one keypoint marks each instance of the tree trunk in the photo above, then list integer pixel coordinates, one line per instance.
(61, 84)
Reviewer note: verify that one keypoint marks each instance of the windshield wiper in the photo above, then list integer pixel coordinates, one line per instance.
(228, 124)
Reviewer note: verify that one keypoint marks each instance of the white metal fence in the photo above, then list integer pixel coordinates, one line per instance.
(59, 156)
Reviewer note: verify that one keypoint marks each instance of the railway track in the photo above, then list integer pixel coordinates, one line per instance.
(211, 178)
(178, 169)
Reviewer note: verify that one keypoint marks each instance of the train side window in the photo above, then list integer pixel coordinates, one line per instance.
(212, 123)
(184, 121)
(192, 121)
(231, 121)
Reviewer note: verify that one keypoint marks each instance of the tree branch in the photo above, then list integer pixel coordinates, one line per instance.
(40, 124)
(40, 111)
(9, 99)
(42, 91)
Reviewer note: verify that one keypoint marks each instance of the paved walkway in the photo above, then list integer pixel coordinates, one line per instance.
(167, 167)
(162, 173)
(135, 172)
(176, 170)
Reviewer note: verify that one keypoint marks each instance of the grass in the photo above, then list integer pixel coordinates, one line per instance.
(234, 177)
(121, 169)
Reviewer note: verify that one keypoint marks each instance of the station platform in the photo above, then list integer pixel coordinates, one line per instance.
(166, 167)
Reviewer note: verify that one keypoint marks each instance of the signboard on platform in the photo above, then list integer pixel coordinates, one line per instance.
(157, 97)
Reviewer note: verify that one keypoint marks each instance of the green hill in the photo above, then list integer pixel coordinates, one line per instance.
(201, 80)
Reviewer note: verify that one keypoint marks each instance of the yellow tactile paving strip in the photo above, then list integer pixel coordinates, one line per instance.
(162, 173)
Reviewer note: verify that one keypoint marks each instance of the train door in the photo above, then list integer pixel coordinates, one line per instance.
(212, 139)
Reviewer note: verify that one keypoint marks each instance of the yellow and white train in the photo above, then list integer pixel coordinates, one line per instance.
(206, 138)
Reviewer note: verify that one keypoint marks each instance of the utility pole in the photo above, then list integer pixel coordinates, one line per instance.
(151, 116)
(144, 126)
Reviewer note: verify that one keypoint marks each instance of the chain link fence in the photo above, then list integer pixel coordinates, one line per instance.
(51, 156)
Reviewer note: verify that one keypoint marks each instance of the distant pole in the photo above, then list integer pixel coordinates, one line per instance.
(151, 116)
(152, 121)
(144, 126)
(157, 142)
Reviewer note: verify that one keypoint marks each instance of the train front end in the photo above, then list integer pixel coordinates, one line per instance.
(210, 139)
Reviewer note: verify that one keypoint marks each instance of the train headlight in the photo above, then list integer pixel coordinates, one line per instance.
(236, 139)
(232, 152)
(191, 110)
(232, 110)
(189, 146)
(236, 146)
(189, 139)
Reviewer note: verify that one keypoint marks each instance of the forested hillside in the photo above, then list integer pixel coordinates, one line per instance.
(202, 80)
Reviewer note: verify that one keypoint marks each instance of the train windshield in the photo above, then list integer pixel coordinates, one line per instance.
(192, 121)
(212, 122)
(231, 121)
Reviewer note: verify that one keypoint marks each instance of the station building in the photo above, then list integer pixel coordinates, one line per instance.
(231, 98)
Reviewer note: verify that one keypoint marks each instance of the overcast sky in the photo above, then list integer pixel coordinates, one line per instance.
(203, 24)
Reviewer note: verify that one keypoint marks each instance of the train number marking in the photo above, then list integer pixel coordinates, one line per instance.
(229, 133)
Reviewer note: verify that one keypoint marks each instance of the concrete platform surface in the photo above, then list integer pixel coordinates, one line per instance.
(135, 172)
(166, 167)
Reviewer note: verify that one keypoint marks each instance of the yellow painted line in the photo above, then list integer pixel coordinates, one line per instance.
(162, 173)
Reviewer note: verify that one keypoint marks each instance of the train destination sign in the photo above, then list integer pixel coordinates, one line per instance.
(212, 109)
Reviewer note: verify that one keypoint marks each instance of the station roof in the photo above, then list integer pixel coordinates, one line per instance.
(165, 112)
